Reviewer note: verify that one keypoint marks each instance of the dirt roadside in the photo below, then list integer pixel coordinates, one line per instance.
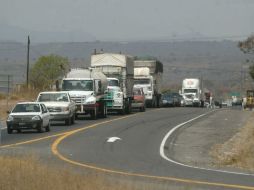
(217, 141)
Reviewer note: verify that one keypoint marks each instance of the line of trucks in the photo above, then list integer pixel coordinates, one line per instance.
(109, 82)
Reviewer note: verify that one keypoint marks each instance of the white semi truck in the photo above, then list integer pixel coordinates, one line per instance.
(148, 75)
(120, 67)
(86, 88)
(192, 92)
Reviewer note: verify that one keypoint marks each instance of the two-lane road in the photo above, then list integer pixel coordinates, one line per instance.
(131, 146)
(136, 151)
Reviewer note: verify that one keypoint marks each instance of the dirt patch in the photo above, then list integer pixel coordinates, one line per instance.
(238, 151)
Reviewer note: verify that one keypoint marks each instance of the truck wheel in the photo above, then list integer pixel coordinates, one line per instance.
(105, 111)
(9, 130)
(128, 107)
(93, 114)
(122, 111)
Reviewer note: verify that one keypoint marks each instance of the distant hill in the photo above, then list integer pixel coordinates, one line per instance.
(219, 64)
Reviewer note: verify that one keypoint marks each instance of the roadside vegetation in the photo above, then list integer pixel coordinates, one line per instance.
(238, 151)
(27, 172)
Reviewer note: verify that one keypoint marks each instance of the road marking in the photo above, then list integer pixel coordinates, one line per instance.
(113, 139)
(31, 141)
(57, 142)
(60, 134)
(169, 134)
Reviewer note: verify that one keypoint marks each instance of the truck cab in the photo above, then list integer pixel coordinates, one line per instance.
(191, 91)
(86, 89)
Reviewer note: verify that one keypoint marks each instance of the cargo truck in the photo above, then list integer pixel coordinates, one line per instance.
(120, 67)
(192, 92)
(149, 76)
(86, 88)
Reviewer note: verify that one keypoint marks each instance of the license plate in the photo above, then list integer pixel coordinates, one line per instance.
(22, 124)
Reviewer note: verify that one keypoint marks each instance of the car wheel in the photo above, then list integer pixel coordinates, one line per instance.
(48, 127)
(68, 121)
(73, 119)
(39, 128)
(9, 130)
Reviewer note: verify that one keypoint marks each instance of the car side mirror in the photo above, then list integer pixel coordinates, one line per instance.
(8, 112)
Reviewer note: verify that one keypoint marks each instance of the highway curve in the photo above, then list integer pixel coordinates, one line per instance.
(135, 147)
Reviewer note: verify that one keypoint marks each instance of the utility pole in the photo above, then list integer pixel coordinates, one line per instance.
(27, 66)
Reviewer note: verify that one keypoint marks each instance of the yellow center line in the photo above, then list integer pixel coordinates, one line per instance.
(32, 141)
(54, 149)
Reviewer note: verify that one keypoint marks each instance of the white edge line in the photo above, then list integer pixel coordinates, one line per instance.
(162, 154)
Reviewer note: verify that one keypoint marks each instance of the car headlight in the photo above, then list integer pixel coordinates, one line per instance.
(10, 118)
(65, 108)
(36, 118)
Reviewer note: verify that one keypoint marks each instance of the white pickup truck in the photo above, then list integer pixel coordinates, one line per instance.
(60, 106)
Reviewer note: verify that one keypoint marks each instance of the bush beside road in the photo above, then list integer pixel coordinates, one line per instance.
(238, 151)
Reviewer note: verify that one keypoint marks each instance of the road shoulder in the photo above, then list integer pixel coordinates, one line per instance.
(193, 143)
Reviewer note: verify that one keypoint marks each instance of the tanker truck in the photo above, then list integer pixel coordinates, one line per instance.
(192, 92)
(117, 67)
(149, 76)
(86, 88)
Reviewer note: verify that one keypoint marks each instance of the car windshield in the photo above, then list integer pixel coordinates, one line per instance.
(26, 108)
(58, 97)
(79, 85)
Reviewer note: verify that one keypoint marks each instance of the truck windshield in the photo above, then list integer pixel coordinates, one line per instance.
(79, 85)
(58, 97)
(141, 81)
(190, 90)
(113, 82)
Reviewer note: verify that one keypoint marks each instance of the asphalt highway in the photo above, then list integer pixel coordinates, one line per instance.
(135, 145)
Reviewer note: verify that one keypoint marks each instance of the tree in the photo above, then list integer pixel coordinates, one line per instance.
(247, 47)
(47, 70)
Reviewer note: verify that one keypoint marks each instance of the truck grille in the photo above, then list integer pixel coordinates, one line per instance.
(78, 100)
(54, 109)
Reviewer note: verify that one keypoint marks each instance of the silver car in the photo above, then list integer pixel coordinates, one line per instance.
(28, 115)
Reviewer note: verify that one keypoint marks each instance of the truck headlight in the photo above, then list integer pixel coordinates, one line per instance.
(10, 118)
(36, 118)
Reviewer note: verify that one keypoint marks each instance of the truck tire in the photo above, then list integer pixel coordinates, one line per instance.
(105, 111)
(93, 114)
(9, 130)
(122, 111)
(128, 107)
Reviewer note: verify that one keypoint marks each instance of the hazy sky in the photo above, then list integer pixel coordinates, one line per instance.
(131, 19)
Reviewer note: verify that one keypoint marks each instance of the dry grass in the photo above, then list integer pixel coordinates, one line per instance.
(25, 173)
(6, 103)
(239, 150)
